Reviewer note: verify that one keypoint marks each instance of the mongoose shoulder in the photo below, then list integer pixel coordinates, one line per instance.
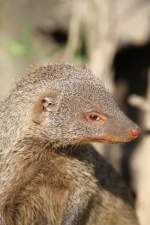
(48, 173)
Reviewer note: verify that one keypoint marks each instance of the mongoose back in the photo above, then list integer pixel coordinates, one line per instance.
(49, 175)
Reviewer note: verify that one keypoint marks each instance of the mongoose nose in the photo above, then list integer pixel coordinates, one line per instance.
(134, 133)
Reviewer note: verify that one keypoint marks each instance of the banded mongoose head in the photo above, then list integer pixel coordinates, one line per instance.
(63, 105)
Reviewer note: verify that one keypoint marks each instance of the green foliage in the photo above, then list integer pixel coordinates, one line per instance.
(79, 56)
(23, 45)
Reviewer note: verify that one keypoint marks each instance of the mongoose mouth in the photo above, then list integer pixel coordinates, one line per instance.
(107, 138)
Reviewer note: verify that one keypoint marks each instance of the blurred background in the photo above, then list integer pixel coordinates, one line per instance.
(110, 37)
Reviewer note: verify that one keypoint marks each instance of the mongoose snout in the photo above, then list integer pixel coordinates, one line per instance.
(111, 128)
(134, 133)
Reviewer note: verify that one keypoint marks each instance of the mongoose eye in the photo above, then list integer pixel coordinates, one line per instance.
(95, 117)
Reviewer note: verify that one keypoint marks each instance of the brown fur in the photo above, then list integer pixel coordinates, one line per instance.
(45, 177)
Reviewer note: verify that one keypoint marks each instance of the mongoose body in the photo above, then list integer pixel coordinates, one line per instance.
(48, 173)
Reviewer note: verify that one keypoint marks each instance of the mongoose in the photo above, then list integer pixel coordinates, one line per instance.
(49, 175)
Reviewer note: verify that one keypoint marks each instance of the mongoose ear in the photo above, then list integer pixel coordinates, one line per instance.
(47, 102)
